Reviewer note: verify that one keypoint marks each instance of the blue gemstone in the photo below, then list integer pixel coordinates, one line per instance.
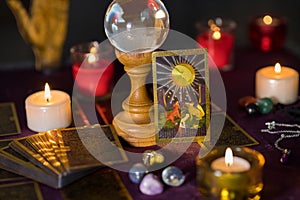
(137, 172)
(173, 176)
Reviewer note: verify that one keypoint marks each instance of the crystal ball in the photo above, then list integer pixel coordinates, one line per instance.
(136, 26)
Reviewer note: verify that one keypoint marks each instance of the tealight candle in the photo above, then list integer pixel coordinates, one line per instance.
(47, 110)
(230, 163)
(278, 83)
(230, 177)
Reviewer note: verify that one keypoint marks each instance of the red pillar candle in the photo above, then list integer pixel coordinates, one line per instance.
(94, 81)
(218, 38)
(92, 70)
(267, 32)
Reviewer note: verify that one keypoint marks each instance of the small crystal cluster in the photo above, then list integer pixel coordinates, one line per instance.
(150, 184)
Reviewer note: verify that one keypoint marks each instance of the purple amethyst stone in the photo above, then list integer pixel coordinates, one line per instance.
(151, 185)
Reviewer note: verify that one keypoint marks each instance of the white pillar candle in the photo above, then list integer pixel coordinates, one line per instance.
(230, 163)
(47, 110)
(278, 83)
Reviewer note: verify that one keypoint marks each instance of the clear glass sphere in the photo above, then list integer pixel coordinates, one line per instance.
(136, 25)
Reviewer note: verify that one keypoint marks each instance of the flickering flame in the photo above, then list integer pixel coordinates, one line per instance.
(277, 68)
(91, 58)
(93, 50)
(47, 93)
(267, 19)
(91, 55)
(216, 35)
(228, 157)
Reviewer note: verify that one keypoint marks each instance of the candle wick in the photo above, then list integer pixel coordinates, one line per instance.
(47, 100)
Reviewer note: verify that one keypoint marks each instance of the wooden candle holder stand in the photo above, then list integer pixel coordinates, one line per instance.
(135, 124)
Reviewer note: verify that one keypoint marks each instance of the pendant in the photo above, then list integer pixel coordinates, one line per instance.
(285, 155)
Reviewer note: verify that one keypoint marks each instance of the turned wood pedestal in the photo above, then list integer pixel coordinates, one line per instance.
(135, 123)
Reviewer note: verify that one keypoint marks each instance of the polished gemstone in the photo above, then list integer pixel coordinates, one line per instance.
(151, 185)
(265, 105)
(244, 101)
(137, 172)
(151, 157)
(173, 176)
(252, 109)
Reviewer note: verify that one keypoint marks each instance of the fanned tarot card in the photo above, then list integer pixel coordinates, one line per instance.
(90, 146)
(60, 156)
(68, 150)
(182, 103)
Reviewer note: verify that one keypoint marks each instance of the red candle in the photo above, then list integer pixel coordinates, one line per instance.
(92, 68)
(267, 32)
(96, 81)
(219, 48)
(218, 38)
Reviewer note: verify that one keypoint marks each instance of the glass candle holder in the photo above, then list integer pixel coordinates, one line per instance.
(217, 36)
(215, 183)
(92, 68)
(267, 32)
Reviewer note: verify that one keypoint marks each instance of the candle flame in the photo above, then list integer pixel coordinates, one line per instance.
(91, 58)
(277, 68)
(47, 93)
(267, 19)
(216, 35)
(228, 157)
(93, 50)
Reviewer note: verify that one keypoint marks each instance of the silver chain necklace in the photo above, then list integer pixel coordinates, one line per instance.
(284, 134)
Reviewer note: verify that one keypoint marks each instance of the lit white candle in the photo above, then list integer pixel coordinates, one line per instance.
(46, 110)
(278, 83)
(230, 163)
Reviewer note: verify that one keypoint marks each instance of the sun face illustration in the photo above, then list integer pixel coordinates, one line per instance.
(181, 94)
(183, 74)
(181, 77)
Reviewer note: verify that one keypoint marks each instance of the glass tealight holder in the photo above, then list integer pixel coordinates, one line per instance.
(214, 183)
(217, 36)
(267, 32)
(93, 68)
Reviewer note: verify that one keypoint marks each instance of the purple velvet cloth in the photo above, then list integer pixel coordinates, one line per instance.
(280, 181)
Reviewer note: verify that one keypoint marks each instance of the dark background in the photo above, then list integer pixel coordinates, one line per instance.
(86, 23)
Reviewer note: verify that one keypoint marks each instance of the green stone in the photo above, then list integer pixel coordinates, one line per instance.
(265, 105)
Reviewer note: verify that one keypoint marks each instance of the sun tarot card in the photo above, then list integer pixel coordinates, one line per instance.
(182, 103)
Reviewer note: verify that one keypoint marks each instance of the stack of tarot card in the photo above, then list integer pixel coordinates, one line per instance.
(61, 156)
